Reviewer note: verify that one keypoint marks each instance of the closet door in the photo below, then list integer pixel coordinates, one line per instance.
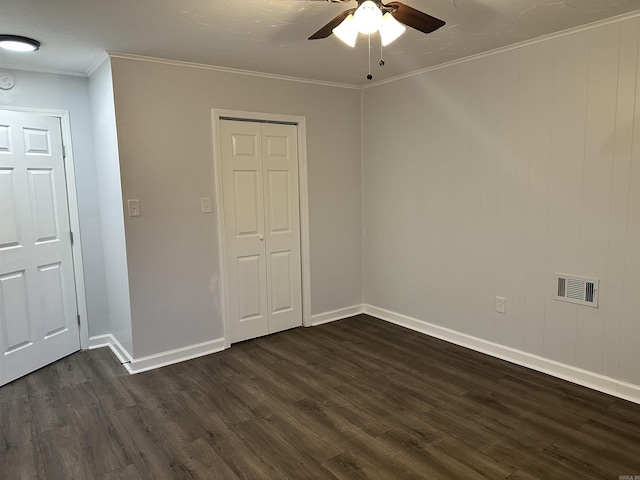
(282, 226)
(259, 166)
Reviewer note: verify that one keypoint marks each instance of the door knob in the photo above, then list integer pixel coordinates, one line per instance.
(261, 237)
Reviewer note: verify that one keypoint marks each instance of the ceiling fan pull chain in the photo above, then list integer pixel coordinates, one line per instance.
(381, 62)
(369, 76)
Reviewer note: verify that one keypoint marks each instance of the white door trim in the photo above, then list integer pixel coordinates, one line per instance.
(300, 122)
(74, 217)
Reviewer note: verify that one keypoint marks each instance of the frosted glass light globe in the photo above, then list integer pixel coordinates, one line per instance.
(368, 17)
(390, 29)
(347, 31)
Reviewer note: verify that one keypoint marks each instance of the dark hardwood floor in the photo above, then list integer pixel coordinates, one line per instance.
(354, 399)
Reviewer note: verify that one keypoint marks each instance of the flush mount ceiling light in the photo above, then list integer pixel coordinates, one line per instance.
(372, 16)
(17, 43)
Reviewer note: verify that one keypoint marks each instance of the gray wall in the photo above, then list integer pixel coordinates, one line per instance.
(500, 171)
(163, 114)
(57, 92)
(112, 223)
(495, 173)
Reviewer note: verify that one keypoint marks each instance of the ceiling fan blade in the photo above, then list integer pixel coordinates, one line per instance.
(325, 31)
(414, 18)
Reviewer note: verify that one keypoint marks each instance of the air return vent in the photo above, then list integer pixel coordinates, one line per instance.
(574, 289)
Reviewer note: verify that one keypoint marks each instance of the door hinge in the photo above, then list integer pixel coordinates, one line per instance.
(71, 236)
(78, 319)
(64, 151)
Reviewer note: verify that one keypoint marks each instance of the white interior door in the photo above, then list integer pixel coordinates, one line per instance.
(282, 225)
(38, 313)
(259, 164)
(243, 205)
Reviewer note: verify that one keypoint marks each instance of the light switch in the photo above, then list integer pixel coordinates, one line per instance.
(134, 207)
(501, 305)
(206, 204)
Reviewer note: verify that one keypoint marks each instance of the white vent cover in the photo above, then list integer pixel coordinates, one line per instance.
(574, 289)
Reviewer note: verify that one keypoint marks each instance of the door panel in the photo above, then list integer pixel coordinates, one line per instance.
(250, 286)
(279, 194)
(14, 316)
(262, 233)
(43, 201)
(243, 207)
(277, 143)
(38, 313)
(247, 207)
(281, 287)
(5, 139)
(37, 141)
(9, 230)
(246, 144)
(282, 220)
(51, 296)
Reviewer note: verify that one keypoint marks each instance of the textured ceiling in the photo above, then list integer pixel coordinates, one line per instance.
(270, 36)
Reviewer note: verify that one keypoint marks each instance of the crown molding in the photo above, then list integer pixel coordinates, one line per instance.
(142, 58)
(526, 43)
(97, 63)
(51, 71)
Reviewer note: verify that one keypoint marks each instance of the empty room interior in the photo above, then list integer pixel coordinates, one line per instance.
(405, 246)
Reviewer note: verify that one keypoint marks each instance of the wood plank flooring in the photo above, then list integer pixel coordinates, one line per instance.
(354, 399)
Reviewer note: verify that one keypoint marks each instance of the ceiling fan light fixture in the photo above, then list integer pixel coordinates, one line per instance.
(368, 17)
(390, 29)
(347, 31)
(17, 43)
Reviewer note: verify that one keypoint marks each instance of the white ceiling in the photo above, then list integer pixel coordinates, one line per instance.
(270, 36)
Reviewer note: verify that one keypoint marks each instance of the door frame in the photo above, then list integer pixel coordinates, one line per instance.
(303, 200)
(72, 205)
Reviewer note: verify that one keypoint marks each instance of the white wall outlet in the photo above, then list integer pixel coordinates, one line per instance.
(206, 204)
(501, 305)
(134, 207)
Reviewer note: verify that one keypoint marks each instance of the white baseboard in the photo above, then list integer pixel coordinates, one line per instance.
(116, 347)
(169, 357)
(595, 381)
(162, 359)
(334, 315)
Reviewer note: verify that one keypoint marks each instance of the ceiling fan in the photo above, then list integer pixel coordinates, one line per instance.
(373, 15)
